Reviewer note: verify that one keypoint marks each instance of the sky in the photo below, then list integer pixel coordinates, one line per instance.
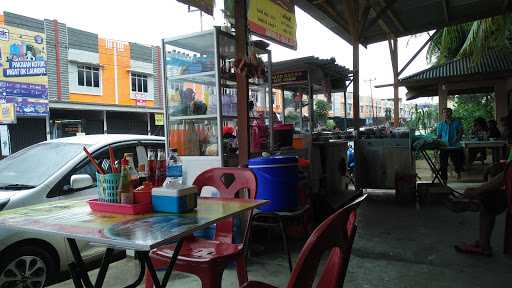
(149, 21)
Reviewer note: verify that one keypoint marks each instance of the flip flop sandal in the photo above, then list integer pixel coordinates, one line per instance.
(472, 248)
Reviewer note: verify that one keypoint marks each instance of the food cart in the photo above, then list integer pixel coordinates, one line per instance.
(201, 98)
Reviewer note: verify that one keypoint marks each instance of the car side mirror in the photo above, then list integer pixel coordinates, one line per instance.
(81, 181)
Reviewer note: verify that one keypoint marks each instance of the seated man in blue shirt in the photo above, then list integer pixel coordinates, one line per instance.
(450, 130)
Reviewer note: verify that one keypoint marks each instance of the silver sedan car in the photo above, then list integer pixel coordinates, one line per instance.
(50, 171)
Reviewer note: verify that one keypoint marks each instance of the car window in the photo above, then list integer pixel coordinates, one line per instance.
(85, 167)
(33, 165)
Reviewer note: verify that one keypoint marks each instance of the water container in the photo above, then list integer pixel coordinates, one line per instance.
(277, 181)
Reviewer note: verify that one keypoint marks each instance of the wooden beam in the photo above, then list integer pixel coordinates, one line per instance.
(417, 53)
(393, 50)
(379, 14)
(350, 13)
(393, 17)
(334, 15)
(505, 5)
(364, 17)
(445, 10)
(242, 82)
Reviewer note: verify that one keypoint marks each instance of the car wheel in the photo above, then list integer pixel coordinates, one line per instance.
(27, 267)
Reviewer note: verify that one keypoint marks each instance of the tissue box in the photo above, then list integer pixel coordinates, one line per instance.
(175, 198)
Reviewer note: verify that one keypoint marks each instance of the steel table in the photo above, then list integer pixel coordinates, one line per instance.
(74, 220)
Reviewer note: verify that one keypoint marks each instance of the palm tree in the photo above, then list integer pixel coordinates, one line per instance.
(471, 39)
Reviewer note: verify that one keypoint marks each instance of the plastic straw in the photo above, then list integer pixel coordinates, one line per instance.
(93, 161)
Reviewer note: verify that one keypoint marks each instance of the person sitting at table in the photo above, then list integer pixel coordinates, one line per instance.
(478, 133)
(490, 199)
(492, 130)
(450, 131)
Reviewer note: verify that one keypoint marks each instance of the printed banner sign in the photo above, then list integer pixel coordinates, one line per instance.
(23, 79)
(291, 77)
(274, 20)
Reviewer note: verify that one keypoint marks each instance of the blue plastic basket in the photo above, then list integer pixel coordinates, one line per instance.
(107, 187)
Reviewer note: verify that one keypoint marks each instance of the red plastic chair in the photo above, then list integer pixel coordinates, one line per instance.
(508, 216)
(207, 259)
(335, 235)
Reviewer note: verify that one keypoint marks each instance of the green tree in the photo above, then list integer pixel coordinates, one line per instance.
(423, 120)
(468, 107)
(471, 39)
(322, 109)
(292, 117)
(387, 114)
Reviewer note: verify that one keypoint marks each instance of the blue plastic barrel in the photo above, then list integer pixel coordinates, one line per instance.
(277, 181)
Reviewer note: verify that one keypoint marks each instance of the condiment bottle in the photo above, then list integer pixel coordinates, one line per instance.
(151, 168)
(134, 175)
(125, 190)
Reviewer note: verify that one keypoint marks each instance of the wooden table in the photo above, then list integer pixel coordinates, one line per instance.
(74, 220)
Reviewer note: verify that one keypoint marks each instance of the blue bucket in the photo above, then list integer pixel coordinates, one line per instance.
(277, 181)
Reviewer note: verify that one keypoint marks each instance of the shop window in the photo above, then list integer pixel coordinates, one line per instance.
(88, 76)
(139, 83)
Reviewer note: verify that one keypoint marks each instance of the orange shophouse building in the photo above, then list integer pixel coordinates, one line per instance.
(94, 85)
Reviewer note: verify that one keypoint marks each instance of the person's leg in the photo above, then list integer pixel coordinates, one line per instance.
(487, 220)
(443, 163)
(457, 157)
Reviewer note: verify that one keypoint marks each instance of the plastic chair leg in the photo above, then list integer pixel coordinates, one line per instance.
(212, 276)
(241, 270)
(148, 281)
(507, 243)
(285, 243)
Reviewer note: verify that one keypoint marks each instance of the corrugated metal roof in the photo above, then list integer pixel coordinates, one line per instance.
(328, 66)
(399, 17)
(491, 62)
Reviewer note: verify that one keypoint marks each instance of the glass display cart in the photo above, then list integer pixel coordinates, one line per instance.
(201, 99)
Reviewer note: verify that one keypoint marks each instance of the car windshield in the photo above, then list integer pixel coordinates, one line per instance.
(32, 166)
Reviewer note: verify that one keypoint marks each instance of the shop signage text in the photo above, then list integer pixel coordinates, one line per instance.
(283, 78)
(274, 20)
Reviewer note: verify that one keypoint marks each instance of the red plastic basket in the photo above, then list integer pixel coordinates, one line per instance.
(118, 208)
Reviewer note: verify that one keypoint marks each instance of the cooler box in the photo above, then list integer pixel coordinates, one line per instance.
(174, 199)
(277, 181)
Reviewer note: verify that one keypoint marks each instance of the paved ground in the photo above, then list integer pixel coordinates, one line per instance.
(396, 246)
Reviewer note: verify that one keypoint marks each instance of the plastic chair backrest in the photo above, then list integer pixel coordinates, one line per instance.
(229, 182)
(333, 236)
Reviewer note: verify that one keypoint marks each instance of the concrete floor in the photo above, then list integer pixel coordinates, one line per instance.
(396, 246)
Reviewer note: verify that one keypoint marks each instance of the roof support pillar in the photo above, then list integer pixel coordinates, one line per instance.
(501, 98)
(442, 91)
(393, 50)
(355, 80)
(242, 83)
(352, 13)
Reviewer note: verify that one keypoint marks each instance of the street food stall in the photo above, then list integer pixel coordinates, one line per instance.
(296, 83)
(384, 156)
(201, 99)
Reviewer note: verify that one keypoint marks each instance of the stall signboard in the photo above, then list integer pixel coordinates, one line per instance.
(291, 77)
(204, 5)
(7, 113)
(23, 71)
(274, 20)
